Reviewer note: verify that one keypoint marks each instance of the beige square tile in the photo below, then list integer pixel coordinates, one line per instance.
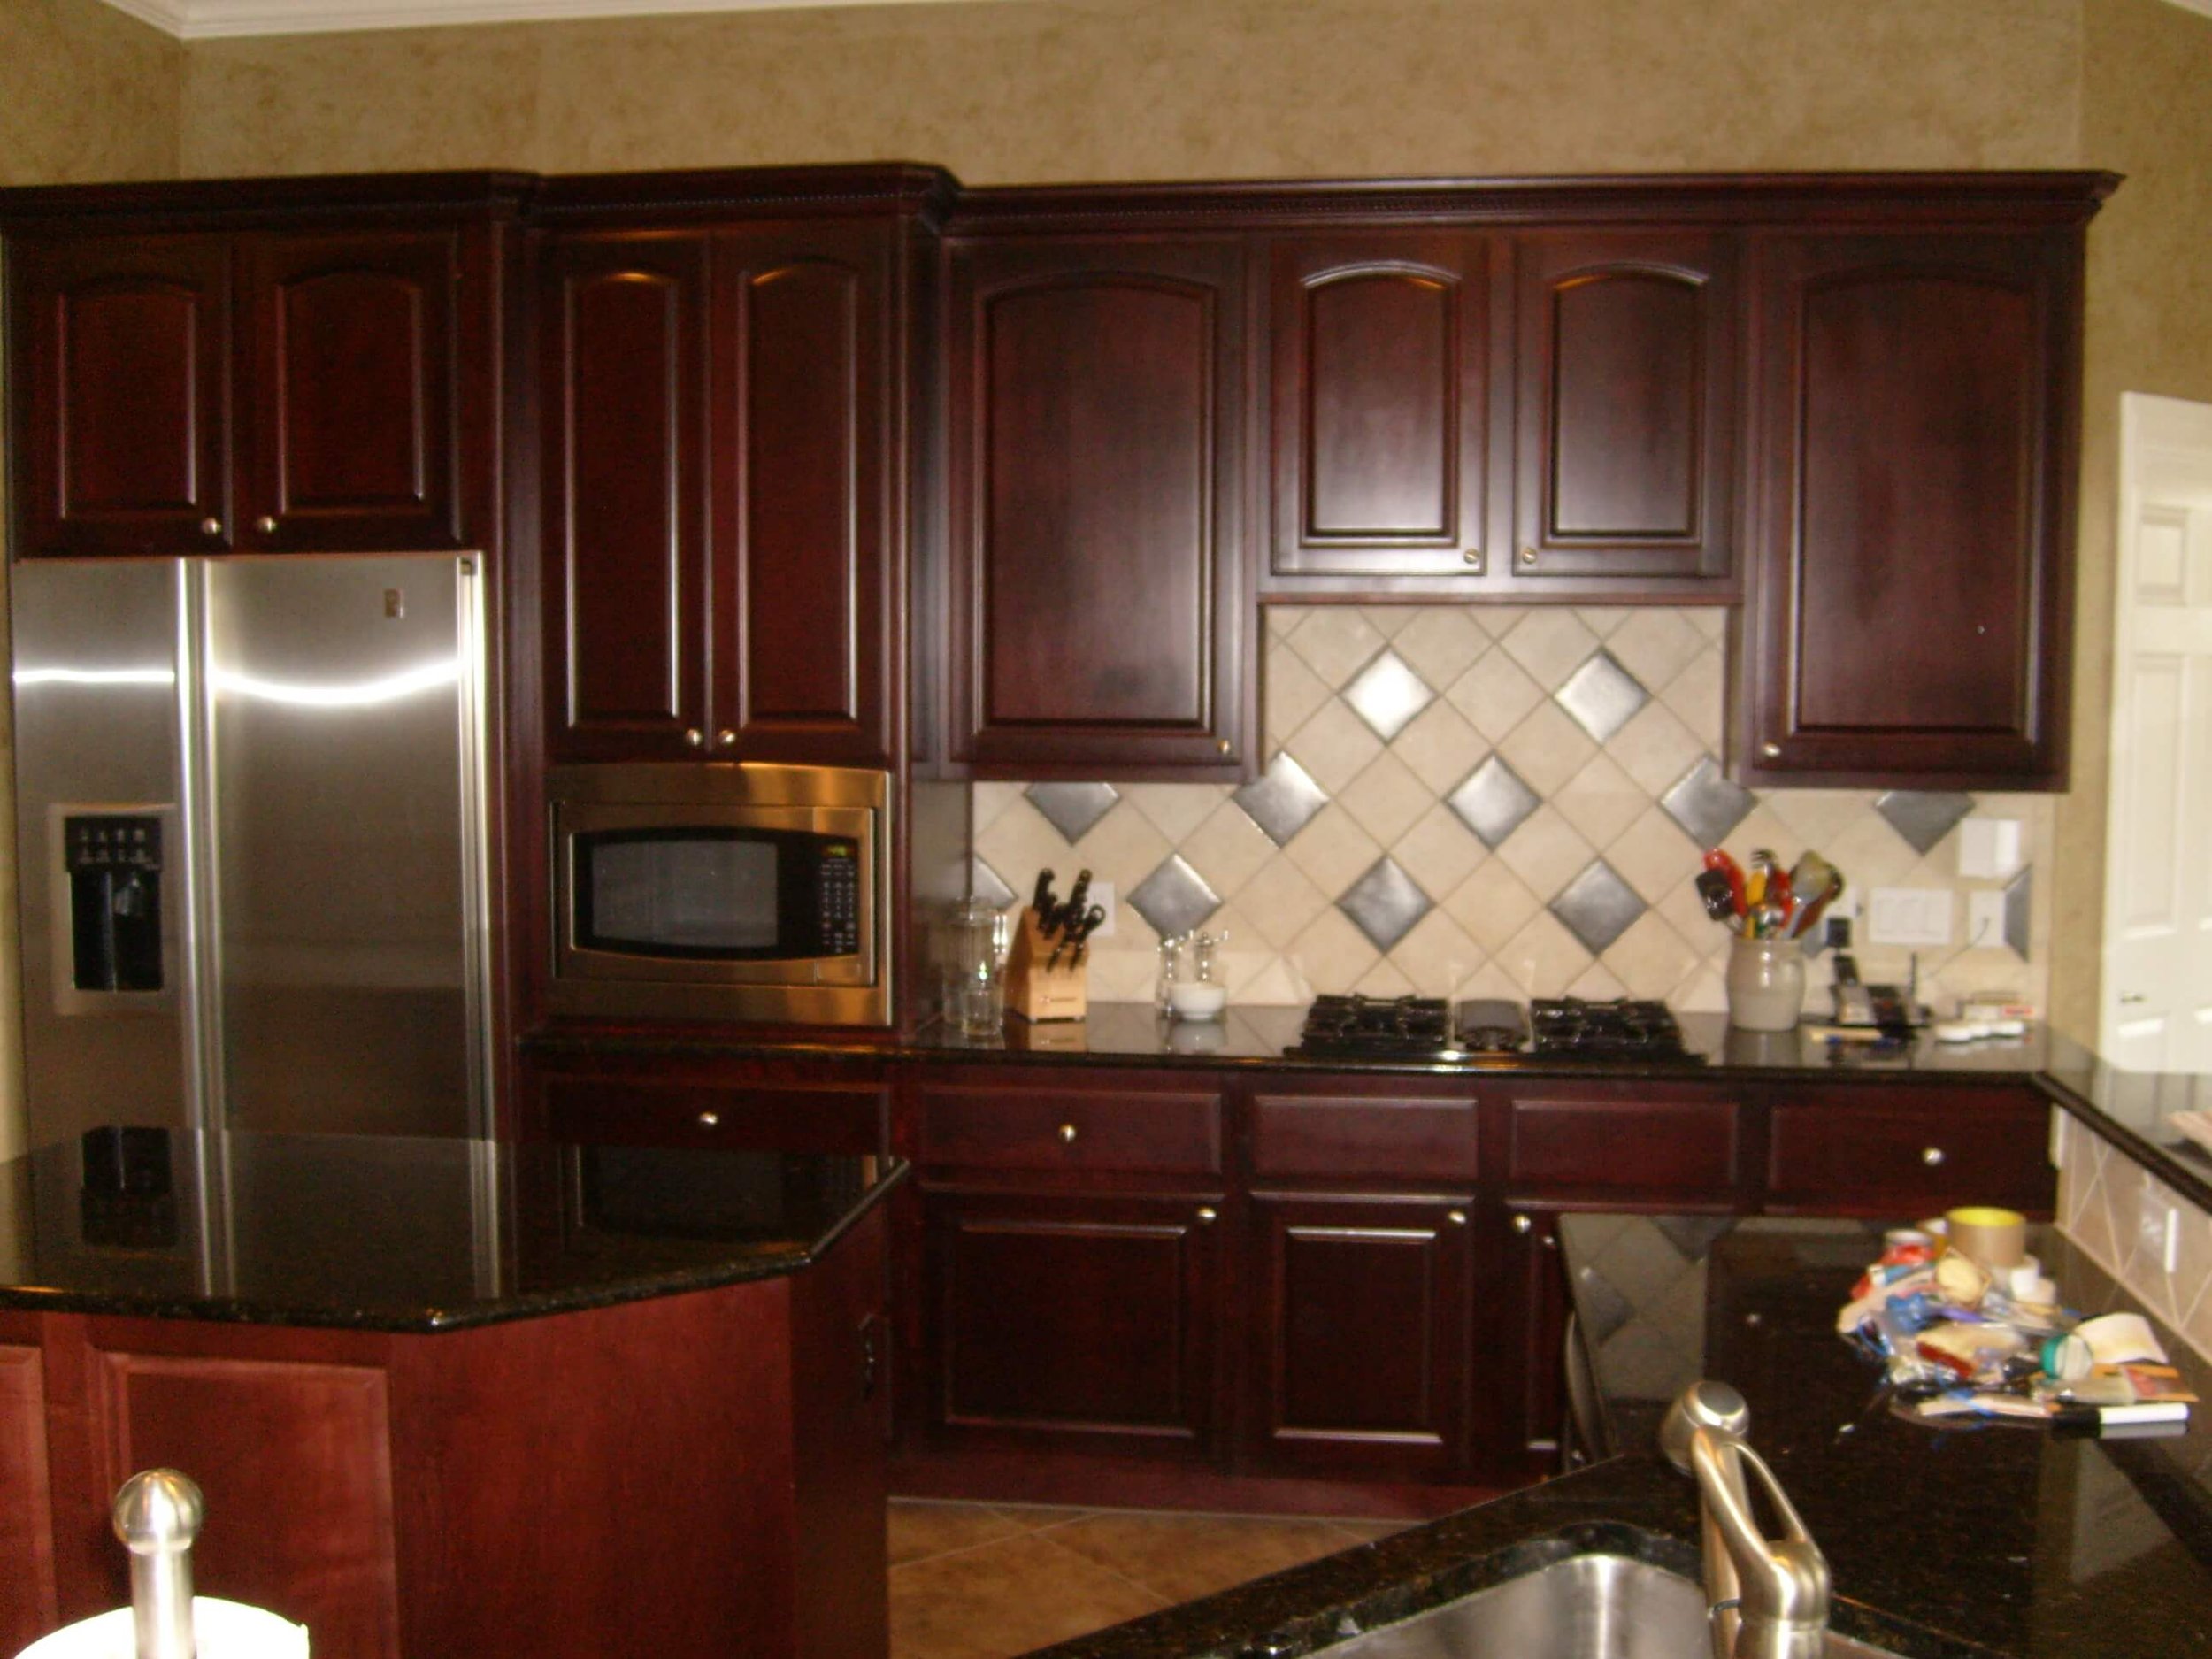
(1696, 694)
(1546, 852)
(1651, 959)
(1601, 801)
(987, 801)
(1441, 643)
(1293, 693)
(1761, 829)
(1282, 619)
(1228, 849)
(1704, 992)
(1492, 905)
(2193, 1265)
(1546, 748)
(1655, 643)
(1389, 621)
(1870, 854)
(1597, 983)
(1439, 851)
(1386, 799)
(1240, 969)
(1489, 980)
(1605, 621)
(1440, 747)
(1122, 975)
(1334, 850)
(1281, 901)
(1495, 695)
(1549, 644)
(1337, 642)
(1685, 912)
(1656, 749)
(1386, 979)
(1816, 817)
(1122, 848)
(1497, 621)
(1019, 842)
(1335, 746)
(1710, 623)
(1332, 955)
(1175, 808)
(1436, 955)
(1279, 985)
(1653, 855)
(1543, 955)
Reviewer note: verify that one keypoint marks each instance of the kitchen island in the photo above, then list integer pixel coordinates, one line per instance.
(1996, 1541)
(449, 1396)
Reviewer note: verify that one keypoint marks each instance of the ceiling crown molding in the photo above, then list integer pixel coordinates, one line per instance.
(213, 19)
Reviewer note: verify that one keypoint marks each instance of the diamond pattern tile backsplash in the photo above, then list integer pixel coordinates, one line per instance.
(1491, 801)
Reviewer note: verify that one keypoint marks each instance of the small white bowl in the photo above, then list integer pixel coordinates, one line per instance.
(1198, 1001)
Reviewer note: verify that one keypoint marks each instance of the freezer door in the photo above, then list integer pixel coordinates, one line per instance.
(97, 744)
(343, 818)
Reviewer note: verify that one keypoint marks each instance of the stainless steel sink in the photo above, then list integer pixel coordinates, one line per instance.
(1586, 1607)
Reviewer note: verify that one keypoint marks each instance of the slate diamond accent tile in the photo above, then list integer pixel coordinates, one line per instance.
(1923, 817)
(1074, 808)
(1605, 1308)
(1385, 903)
(2019, 894)
(1493, 802)
(1706, 804)
(1387, 694)
(1283, 800)
(1597, 907)
(1174, 898)
(1602, 695)
(1692, 1235)
(986, 884)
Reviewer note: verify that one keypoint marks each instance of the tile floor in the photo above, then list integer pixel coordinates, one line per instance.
(989, 1581)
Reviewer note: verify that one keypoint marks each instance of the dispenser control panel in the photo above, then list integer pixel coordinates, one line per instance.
(113, 865)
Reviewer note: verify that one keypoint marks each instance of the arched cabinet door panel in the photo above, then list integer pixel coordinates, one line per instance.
(1908, 616)
(1099, 609)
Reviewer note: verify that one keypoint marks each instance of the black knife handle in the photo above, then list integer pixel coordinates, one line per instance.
(1041, 900)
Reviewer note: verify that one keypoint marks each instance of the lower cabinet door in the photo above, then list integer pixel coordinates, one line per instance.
(1363, 1327)
(28, 1605)
(1076, 1322)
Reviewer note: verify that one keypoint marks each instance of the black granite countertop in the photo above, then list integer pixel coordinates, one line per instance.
(401, 1233)
(1966, 1544)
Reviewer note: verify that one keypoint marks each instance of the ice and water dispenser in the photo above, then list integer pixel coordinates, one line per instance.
(113, 862)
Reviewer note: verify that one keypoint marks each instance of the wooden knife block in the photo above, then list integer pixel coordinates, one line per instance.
(1035, 991)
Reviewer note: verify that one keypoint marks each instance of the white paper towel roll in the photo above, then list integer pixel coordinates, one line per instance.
(227, 1629)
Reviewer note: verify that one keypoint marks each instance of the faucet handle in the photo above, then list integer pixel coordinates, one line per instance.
(1702, 1405)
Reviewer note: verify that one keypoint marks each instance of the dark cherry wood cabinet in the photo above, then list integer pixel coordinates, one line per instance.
(267, 391)
(1911, 449)
(28, 1605)
(1625, 400)
(711, 1104)
(718, 470)
(1845, 1150)
(1100, 620)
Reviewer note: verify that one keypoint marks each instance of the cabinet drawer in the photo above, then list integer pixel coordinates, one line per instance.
(1072, 1129)
(769, 1116)
(1639, 1140)
(1910, 1153)
(1355, 1138)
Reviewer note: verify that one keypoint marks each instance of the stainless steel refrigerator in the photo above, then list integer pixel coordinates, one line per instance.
(252, 857)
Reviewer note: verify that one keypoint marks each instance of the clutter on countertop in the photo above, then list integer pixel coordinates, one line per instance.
(1968, 1326)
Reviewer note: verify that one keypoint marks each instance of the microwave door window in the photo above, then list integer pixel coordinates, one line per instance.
(686, 894)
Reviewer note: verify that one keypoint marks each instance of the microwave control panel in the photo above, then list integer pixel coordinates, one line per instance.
(841, 899)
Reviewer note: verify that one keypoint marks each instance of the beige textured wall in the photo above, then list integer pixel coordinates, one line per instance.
(1074, 90)
(2146, 111)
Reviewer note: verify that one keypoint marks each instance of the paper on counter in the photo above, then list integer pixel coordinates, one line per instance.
(2119, 1339)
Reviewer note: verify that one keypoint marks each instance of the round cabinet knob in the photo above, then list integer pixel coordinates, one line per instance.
(725, 738)
(211, 526)
(1457, 1217)
(1067, 1135)
(693, 736)
(1208, 1214)
(1932, 1155)
(1522, 1224)
(707, 1120)
(1472, 559)
(1222, 744)
(1771, 751)
(1528, 558)
(265, 525)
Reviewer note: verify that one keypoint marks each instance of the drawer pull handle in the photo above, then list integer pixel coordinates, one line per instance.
(708, 1121)
(1067, 1135)
(1522, 1225)
(1457, 1217)
(1208, 1214)
(1770, 751)
(1932, 1155)
(211, 526)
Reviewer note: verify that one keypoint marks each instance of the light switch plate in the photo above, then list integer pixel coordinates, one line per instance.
(1908, 916)
(1985, 920)
(1102, 895)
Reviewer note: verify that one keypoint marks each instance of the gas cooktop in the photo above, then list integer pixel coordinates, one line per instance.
(1425, 1029)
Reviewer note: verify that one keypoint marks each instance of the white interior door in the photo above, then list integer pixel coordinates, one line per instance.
(2157, 985)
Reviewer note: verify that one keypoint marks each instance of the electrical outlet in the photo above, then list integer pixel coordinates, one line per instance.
(2159, 1230)
(1102, 895)
(1908, 916)
(1985, 920)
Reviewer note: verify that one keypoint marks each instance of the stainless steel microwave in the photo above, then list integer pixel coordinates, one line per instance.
(721, 890)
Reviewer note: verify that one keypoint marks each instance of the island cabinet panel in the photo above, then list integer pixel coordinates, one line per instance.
(1628, 1141)
(1062, 1130)
(271, 391)
(1099, 622)
(1351, 1136)
(725, 1105)
(1911, 448)
(28, 1605)
(1626, 397)
(1362, 1324)
(1380, 396)
(1908, 1150)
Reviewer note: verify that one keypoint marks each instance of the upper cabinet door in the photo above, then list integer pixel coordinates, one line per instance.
(121, 361)
(622, 330)
(803, 381)
(1625, 397)
(1914, 442)
(1099, 608)
(1380, 420)
(351, 427)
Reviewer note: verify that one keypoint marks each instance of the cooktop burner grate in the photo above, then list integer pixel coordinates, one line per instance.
(1377, 1028)
(1622, 1029)
(1425, 1028)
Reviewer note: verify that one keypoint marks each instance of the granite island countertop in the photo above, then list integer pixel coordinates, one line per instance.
(1964, 1544)
(403, 1233)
